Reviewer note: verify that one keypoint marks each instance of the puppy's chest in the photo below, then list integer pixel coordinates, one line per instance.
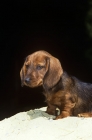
(55, 98)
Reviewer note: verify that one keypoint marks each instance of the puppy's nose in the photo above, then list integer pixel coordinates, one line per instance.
(27, 80)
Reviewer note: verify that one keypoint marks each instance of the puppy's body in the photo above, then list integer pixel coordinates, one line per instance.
(71, 96)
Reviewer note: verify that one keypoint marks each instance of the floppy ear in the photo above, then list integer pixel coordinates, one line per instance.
(53, 73)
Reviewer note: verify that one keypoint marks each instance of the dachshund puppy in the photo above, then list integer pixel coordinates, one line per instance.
(71, 96)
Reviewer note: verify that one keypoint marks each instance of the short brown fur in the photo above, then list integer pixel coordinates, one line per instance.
(67, 93)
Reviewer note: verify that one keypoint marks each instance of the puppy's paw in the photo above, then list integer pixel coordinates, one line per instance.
(58, 117)
(80, 115)
(85, 115)
(61, 116)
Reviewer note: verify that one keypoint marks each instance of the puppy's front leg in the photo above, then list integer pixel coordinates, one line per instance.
(66, 111)
(51, 109)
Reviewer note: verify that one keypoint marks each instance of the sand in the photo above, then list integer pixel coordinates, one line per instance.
(38, 125)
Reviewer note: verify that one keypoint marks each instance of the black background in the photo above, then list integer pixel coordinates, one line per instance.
(57, 27)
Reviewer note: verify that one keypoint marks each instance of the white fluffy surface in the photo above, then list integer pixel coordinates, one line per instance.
(37, 125)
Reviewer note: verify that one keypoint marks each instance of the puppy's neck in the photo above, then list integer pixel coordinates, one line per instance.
(52, 89)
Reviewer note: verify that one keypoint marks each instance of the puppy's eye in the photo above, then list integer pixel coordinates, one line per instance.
(39, 67)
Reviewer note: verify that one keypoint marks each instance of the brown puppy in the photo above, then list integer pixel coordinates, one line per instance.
(67, 93)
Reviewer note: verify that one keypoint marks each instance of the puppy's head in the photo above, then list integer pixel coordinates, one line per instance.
(41, 68)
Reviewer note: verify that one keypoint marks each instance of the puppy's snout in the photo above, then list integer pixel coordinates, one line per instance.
(27, 80)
